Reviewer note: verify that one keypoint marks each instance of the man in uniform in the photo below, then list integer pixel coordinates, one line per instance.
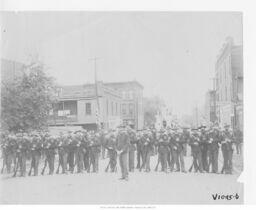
(71, 152)
(78, 151)
(194, 142)
(178, 141)
(95, 152)
(111, 148)
(214, 141)
(204, 148)
(147, 149)
(132, 149)
(63, 147)
(139, 149)
(227, 150)
(35, 150)
(123, 145)
(163, 149)
(22, 149)
(50, 145)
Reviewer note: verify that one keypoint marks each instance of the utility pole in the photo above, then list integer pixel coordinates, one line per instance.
(95, 59)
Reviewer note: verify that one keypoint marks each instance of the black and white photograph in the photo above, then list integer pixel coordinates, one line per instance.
(121, 107)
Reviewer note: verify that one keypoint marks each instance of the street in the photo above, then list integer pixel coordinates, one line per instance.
(105, 188)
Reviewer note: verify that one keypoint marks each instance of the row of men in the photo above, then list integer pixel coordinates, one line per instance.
(81, 150)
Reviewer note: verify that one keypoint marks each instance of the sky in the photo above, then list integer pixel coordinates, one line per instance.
(172, 54)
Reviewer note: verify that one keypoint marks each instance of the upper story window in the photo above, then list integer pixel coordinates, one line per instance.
(116, 108)
(131, 109)
(127, 95)
(107, 107)
(124, 109)
(88, 108)
(112, 108)
(130, 95)
(123, 94)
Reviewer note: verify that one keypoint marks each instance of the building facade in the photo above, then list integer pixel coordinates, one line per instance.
(210, 107)
(229, 85)
(132, 102)
(80, 105)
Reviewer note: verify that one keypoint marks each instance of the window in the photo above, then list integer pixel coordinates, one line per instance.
(130, 109)
(127, 95)
(123, 94)
(130, 95)
(112, 108)
(107, 106)
(88, 109)
(123, 109)
(116, 109)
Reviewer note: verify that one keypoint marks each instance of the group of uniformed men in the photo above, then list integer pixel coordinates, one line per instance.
(81, 150)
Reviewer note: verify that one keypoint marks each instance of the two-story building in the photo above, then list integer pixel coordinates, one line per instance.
(80, 105)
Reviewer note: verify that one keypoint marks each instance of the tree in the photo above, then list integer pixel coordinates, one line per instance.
(27, 100)
(152, 106)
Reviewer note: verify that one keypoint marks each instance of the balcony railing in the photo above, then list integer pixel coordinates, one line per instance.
(54, 120)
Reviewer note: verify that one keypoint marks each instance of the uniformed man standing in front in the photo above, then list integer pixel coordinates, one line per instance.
(122, 150)
(111, 148)
(163, 149)
(194, 142)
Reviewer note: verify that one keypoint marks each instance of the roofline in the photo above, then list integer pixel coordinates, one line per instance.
(127, 82)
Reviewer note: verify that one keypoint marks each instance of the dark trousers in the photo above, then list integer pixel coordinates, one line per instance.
(79, 158)
(95, 161)
(131, 160)
(123, 161)
(227, 165)
(169, 159)
(35, 162)
(180, 163)
(50, 157)
(7, 160)
(87, 160)
(21, 164)
(143, 157)
(163, 160)
(213, 160)
(148, 155)
(197, 161)
(112, 160)
(63, 161)
(71, 160)
(205, 159)
(139, 158)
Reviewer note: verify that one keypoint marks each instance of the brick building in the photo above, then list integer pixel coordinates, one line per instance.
(229, 85)
(132, 102)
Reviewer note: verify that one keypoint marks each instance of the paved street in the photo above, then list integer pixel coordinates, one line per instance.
(105, 188)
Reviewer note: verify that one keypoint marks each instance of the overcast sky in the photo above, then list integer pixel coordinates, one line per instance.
(171, 54)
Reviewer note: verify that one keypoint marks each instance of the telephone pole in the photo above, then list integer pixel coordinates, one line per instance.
(95, 59)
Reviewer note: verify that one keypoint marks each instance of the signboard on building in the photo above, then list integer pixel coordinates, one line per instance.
(226, 112)
(62, 113)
